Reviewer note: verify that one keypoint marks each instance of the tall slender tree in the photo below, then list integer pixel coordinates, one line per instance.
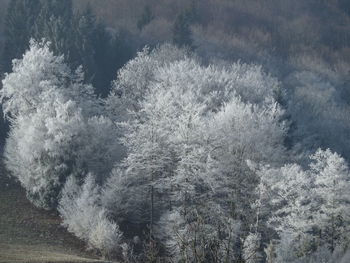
(146, 17)
(55, 24)
(19, 21)
(84, 42)
(182, 35)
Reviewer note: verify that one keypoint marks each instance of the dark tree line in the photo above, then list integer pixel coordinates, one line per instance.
(182, 34)
(79, 36)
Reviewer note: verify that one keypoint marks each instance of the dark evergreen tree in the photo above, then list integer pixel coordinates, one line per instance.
(19, 21)
(118, 51)
(85, 38)
(191, 12)
(100, 52)
(182, 35)
(345, 6)
(55, 24)
(146, 17)
(4, 128)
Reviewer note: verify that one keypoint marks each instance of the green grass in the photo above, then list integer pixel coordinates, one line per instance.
(28, 234)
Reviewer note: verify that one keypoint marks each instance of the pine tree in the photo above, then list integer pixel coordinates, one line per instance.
(112, 51)
(182, 35)
(101, 53)
(19, 22)
(84, 43)
(146, 17)
(55, 24)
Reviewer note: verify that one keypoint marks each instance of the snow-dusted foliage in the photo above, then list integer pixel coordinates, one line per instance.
(79, 206)
(57, 126)
(206, 175)
(205, 234)
(311, 207)
(133, 79)
(251, 248)
(83, 215)
(36, 78)
(37, 74)
(38, 151)
(169, 64)
(187, 140)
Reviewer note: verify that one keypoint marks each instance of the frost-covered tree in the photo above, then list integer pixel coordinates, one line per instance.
(251, 247)
(57, 126)
(37, 151)
(188, 131)
(332, 181)
(45, 147)
(133, 79)
(39, 72)
(311, 207)
(35, 79)
(83, 215)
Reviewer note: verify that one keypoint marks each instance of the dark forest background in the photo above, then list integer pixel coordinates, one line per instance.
(274, 32)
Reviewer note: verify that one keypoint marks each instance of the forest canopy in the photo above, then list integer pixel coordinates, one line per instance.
(175, 137)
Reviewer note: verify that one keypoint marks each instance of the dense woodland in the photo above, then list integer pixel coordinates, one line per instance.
(183, 131)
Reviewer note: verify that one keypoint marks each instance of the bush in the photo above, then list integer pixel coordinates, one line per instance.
(83, 215)
(58, 127)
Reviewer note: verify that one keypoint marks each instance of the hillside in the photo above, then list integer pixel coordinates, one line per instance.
(252, 30)
(28, 234)
(197, 131)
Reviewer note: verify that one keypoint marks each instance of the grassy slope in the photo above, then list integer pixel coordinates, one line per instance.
(28, 234)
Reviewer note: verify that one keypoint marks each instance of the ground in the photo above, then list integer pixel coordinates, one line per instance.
(29, 234)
